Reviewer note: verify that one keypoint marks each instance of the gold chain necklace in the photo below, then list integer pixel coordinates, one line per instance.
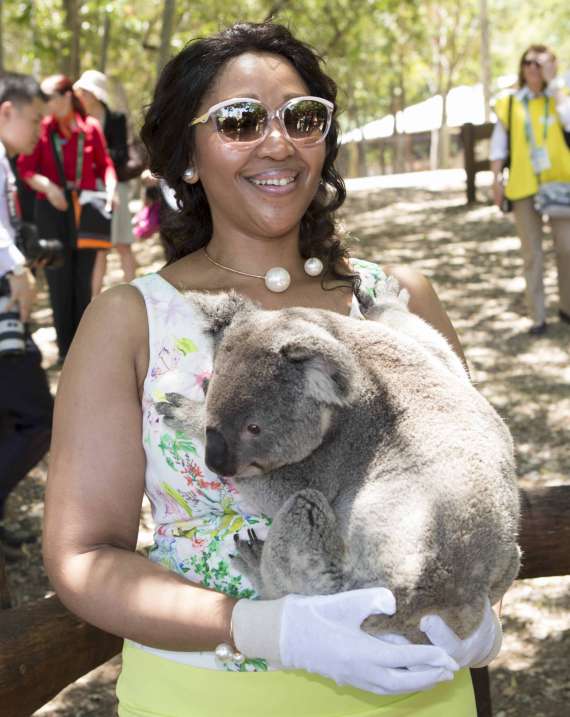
(276, 279)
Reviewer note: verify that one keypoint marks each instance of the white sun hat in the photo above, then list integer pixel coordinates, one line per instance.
(95, 82)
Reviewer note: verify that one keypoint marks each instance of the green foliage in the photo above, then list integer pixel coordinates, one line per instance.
(384, 54)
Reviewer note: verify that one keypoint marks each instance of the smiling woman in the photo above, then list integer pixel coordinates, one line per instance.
(243, 128)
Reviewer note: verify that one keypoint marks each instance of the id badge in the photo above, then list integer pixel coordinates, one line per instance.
(539, 159)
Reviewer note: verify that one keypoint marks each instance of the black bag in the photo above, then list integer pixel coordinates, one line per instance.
(94, 230)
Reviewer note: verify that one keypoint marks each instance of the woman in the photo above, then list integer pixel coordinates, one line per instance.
(256, 187)
(78, 141)
(534, 118)
(92, 88)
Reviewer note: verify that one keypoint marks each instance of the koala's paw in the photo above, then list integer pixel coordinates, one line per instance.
(389, 292)
(246, 558)
(182, 414)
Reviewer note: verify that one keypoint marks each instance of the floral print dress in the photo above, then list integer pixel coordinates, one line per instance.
(195, 511)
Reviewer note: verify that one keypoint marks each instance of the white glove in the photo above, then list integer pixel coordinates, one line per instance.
(477, 650)
(322, 634)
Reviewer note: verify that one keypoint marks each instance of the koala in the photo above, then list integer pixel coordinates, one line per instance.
(366, 443)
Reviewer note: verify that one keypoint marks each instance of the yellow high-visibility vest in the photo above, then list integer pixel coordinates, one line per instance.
(523, 181)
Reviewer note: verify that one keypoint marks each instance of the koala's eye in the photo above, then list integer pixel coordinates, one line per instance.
(253, 428)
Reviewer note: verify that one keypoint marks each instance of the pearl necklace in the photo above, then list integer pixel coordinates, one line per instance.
(278, 278)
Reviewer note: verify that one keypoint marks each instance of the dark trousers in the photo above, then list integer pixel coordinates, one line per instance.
(70, 284)
(26, 407)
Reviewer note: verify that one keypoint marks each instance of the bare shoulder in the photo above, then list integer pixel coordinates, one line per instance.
(422, 294)
(425, 303)
(119, 311)
(114, 329)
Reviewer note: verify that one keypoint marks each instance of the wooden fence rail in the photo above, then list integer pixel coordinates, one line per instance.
(43, 647)
(470, 135)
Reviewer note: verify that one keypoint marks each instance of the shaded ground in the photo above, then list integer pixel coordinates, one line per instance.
(471, 256)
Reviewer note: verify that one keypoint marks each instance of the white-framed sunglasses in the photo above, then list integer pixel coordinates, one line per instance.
(243, 121)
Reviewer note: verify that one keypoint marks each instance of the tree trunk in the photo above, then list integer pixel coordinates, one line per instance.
(362, 165)
(443, 147)
(105, 40)
(168, 13)
(485, 57)
(434, 149)
(73, 26)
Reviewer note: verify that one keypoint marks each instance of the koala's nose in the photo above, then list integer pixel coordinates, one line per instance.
(217, 453)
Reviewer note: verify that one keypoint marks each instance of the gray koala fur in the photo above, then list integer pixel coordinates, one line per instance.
(377, 460)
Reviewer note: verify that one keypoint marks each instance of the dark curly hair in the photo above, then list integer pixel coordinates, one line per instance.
(170, 140)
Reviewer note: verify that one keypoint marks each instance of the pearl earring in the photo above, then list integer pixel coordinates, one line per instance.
(189, 174)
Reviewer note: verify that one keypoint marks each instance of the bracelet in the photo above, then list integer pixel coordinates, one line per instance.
(226, 653)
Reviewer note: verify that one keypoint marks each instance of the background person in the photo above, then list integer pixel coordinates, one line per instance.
(25, 400)
(254, 194)
(92, 88)
(69, 284)
(540, 111)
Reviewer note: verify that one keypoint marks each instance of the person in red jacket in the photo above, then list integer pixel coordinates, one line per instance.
(80, 143)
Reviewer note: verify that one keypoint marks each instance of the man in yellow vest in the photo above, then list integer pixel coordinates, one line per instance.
(530, 130)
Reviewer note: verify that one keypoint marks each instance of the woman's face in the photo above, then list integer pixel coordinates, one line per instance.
(532, 68)
(58, 105)
(235, 179)
(90, 102)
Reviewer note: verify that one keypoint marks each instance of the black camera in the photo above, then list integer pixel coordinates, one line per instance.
(47, 252)
(12, 330)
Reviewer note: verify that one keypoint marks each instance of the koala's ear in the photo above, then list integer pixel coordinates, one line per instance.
(328, 367)
(221, 309)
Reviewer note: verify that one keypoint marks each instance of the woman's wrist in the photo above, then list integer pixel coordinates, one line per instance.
(41, 183)
(256, 628)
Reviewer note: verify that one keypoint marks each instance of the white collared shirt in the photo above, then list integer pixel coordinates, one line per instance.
(10, 256)
(499, 148)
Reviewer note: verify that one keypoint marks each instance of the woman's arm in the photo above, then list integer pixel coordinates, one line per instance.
(425, 303)
(29, 169)
(95, 488)
(54, 194)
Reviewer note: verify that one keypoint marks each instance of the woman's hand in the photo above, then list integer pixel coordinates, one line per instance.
(477, 650)
(112, 202)
(548, 66)
(56, 196)
(22, 293)
(322, 634)
(498, 191)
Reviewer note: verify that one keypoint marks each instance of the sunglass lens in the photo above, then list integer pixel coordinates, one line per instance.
(241, 121)
(306, 120)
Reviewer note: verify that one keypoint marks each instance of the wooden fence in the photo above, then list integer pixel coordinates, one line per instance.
(471, 134)
(43, 648)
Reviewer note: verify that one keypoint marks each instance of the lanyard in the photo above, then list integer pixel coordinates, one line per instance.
(79, 162)
(528, 125)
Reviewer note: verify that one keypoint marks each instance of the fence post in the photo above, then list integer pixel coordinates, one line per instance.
(468, 137)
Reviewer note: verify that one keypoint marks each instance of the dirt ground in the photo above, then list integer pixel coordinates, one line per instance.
(471, 256)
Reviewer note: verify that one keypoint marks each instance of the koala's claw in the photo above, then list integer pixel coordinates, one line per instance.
(251, 537)
(249, 551)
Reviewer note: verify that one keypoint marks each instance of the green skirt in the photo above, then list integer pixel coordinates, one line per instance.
(152, 686)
